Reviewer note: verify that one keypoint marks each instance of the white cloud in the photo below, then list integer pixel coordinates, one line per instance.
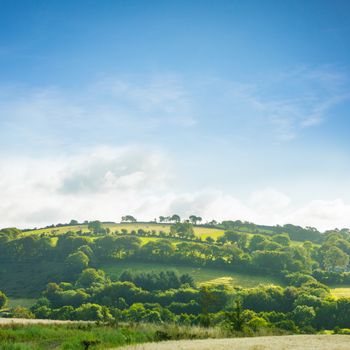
(105, 183)
(98, 182)
(324, 214)
(269, 201)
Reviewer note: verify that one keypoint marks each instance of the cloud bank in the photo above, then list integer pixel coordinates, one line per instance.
(107, 182)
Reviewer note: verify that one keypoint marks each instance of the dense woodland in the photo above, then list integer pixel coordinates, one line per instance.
(306, 260)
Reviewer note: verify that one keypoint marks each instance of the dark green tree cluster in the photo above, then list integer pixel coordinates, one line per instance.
(306, 307)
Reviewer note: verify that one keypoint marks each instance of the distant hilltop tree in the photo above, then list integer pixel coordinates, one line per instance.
(195, 219)
(128, 218)
(73, 222)
(175, 218)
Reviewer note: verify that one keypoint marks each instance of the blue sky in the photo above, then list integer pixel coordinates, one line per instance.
(225, 109)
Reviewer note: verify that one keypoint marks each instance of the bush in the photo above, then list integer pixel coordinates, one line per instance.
(21, 312)
(3, 300)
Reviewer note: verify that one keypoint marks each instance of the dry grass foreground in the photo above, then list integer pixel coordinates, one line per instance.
(295, 342)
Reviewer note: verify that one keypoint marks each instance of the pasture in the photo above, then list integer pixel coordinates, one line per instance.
(340, 292)
(202, 232)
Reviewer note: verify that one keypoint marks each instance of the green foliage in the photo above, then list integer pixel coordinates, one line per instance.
(96, 227)
(282, 239)
(128, 218)
(82, 290)
(76, 262)
(157, 281)
(90, 277)
(3, 300)
(21, 312)
(182, 230)
(235, 319)
(303, 315)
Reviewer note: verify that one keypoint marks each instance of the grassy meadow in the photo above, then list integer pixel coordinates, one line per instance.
(340, 292)
(202, 232)
(75, 336)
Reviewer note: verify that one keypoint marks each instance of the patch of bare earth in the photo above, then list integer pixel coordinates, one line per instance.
(294, 342)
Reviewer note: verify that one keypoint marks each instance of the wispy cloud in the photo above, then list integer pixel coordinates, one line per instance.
(291, 101)
(122, 107)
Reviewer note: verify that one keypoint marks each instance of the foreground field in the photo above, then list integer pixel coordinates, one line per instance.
(200, 275)
(65, 335)
(295, 342)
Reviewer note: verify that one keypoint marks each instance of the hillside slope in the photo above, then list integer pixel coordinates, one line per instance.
(294, 342)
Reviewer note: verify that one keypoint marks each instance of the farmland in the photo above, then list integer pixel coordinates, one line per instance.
(340, 292)
(202, 232)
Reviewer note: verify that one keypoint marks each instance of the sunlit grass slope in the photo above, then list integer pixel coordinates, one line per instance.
(203, 232)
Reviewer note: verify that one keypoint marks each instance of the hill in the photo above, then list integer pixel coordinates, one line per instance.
(28, 280)
(179, 273)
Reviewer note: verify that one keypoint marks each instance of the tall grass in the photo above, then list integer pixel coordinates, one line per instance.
(70, 337)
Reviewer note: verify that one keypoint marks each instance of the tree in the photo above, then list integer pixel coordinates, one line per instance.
(282, 239)
(303, 315)
(126, 246)
(207, 299)
(235, 319)
(91, 276)
(258, 242)
(240, 238)
(335, 258)
(93, 312)
(175, 218)
(73, 222)
(3, 300)
(193, 219)
(183, 230)
(270, 260)
(128, 218)
(95, 226)
(21, 312)
(77, 262)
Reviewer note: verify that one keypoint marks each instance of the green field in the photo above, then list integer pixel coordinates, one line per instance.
(200, 275)
(340, 292)
(203, 232)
